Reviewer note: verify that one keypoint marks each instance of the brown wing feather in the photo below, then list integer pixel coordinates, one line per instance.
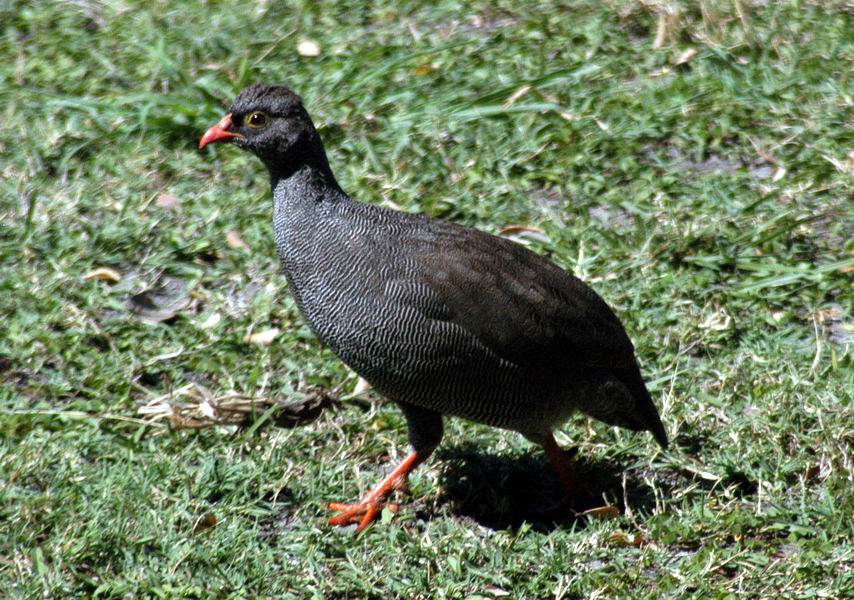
(545, 314)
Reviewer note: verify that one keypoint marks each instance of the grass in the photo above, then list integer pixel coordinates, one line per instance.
(710, 202)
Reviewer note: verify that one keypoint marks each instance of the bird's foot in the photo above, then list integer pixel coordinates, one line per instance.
(366, 510)
(563, 462)
(363, 512)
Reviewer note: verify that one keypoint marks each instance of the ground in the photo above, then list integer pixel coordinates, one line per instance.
(694, 162)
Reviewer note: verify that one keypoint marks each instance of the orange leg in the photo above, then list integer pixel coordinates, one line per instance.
(564, 465)
(366, 509)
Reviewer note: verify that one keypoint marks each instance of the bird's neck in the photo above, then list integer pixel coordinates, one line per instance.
(317, 166)
(301, 164)
(306, 184)
(304, 207)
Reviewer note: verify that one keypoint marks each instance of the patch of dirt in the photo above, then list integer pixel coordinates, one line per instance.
(26, 381)
(547, 198)
(758, 167)
(280, 519)
(476, 24)
(240, 296)
(611, 217)
(836, 324)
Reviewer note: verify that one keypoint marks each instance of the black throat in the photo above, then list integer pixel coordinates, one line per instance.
(306, 158)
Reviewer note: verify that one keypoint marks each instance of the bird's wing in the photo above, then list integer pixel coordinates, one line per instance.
(521, 306)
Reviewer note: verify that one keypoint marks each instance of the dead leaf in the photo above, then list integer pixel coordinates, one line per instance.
(161, 302)
(167, 201)
(233, 239)
(211, 322)
(207, 409)
(424, 69)
(847, 269)
(513, 229)
(103, 274)
(518, 232)
(701, 473)
(308, 48)
(361, 387)
(718, 320)
(262, 338)
(206, 521)
(602, 512)
(304, 411)
(686, 56)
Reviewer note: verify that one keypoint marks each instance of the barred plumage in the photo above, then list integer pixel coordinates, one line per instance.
(443, 319)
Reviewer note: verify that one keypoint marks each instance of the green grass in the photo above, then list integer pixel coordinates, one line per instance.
(709, 202)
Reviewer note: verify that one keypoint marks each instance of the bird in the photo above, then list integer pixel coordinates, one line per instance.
(442, 319)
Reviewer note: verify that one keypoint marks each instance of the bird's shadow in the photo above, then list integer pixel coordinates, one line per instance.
(503, 492)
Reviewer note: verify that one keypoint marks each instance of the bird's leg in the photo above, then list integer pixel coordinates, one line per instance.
(564, 464)
(366, 509)
(425, 433)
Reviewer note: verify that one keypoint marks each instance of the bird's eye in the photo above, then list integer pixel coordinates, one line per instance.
(256, 120)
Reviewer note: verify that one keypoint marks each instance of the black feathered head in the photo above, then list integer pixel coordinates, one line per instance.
(270, 121)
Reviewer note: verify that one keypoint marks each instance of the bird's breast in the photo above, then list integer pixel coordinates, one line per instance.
(364, 296)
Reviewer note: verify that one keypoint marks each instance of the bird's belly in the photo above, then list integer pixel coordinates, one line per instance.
(499, 399)
(434, 365)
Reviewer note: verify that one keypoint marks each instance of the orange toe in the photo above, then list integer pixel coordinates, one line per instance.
(367, 509)
(363, 513)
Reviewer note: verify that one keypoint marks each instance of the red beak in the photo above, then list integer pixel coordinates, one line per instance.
(218, 132)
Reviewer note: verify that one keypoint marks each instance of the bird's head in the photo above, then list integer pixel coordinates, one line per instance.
(270, 121)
